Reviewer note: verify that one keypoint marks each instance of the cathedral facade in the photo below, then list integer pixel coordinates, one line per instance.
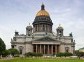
(40, 38)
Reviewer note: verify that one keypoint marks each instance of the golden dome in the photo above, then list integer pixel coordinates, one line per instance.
(42, 12)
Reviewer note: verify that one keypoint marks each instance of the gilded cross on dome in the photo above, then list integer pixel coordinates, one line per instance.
(42, 12)
(42, 7)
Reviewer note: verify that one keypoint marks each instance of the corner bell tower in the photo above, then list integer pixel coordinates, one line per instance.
(42, 21)
(29, 30)
(59, 31)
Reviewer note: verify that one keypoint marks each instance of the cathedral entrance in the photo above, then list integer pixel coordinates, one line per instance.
(45, 48)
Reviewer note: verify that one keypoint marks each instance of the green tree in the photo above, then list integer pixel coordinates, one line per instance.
(79, 54)
(5, 53)
(13, 51)
(2, 46)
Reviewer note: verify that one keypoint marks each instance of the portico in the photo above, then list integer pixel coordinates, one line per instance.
(46, 48)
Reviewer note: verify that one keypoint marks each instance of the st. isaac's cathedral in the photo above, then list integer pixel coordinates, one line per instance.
(40, 38)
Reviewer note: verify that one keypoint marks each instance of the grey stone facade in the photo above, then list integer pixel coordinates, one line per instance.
(40, 39)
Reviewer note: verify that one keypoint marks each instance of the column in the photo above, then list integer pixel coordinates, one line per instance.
(40, 48)
(48, 49)
(58, 49)
(44, 49)
(46, 28)
(36, 48)
(37, 27)
(55, 49)
(52, 49)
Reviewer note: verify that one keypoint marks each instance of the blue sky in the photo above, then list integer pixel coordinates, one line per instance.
(17, 14)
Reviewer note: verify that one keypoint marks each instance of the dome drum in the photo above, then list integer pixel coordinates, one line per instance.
(42, 19)
(46, 23)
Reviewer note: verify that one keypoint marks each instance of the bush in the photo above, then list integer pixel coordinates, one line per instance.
(64, 54)
(68, 54)
(13, 51)
(30, 54)
(79, 54)
(59, 54)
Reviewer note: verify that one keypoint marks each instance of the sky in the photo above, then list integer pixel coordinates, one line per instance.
(17, 14)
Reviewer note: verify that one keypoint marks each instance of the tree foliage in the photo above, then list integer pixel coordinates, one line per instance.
(79, 54)
(5, 53)
(13, 51)
(2, 46)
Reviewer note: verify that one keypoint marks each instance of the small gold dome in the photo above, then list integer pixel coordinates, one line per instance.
(42, 12)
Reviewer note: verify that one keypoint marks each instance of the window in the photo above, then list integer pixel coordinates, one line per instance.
(43, 28)
(12, 46)
(60, 31)
(20, 49)
(36, 27)
(66, 49)
(14, 38)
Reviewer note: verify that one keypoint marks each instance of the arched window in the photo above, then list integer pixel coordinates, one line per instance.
(43, 28)
(66, 49)
(20, 49)
(36, 28)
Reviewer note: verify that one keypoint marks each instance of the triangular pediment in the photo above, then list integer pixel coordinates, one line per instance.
(45, 39)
